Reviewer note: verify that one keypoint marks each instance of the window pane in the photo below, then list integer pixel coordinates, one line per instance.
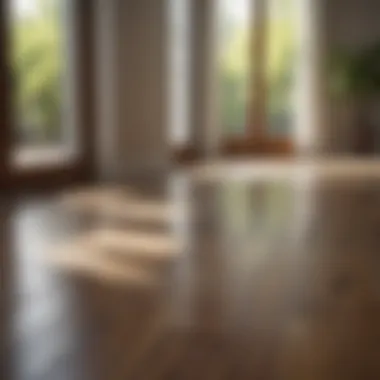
(282, 65)
(38, 69)
(233, 63)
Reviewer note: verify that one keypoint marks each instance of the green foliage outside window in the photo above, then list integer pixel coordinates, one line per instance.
(280, 70)
(38, 65)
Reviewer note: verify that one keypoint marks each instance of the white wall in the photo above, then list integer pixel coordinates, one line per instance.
(353, 23)
(132, 96)
(143, 85)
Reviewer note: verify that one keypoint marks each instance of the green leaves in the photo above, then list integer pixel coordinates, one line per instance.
(37, 71)
(356, 74)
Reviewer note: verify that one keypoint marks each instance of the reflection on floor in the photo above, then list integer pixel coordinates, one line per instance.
(249, 277)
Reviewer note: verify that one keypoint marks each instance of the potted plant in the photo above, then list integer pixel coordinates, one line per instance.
(356, 79)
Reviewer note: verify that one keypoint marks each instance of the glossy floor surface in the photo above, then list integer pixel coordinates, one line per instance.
(240, 278)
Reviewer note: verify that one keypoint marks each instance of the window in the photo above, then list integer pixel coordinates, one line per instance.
(40, 68)
(258, 68)
(47, 76)
(233, 64)
(281, 66)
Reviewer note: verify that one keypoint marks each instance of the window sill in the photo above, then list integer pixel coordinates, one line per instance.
(35, 158)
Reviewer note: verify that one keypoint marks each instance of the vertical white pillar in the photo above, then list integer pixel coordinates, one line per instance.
(179, 71)
(309, 105)
(107, 72)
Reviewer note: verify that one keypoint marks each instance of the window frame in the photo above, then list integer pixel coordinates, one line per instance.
(62, 172)
(256, 138)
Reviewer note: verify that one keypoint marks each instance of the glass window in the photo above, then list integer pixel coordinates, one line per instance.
(234, 63)
(282, 66)
(39, 62)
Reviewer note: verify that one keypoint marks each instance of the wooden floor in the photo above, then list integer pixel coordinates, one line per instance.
(240, 278)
